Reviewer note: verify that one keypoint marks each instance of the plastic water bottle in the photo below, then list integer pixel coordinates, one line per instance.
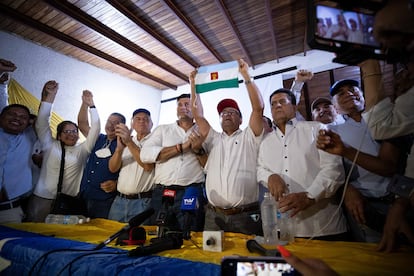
(287, 228)
(268, 209)
(65, 219)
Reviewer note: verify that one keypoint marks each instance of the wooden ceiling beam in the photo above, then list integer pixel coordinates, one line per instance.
(227, 17)
(271, 29)
(150, 31)
(13, 14)
(87, 20)
(180, 16)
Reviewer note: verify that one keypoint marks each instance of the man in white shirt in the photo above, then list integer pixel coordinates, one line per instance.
(231, 187)
(136, 179)
(177, 168)
(302, 178)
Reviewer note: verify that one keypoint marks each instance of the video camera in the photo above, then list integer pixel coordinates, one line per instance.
(345, 27)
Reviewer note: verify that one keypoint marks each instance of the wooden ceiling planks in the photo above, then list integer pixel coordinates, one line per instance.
(159, 42)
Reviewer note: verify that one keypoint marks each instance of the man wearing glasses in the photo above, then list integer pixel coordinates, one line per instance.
(231, 185)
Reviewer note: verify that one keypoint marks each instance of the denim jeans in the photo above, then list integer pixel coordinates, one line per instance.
(123, 209)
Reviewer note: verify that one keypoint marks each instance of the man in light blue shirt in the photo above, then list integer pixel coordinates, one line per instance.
(366, 197)
(16, 142)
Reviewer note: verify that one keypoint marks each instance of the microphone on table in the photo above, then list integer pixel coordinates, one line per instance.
(254, 247)
(189, 206)
(133, 222)
(171, 241)
(163, 217)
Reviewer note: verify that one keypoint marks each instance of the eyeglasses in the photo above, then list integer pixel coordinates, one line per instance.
(228, 113)
(70, 131)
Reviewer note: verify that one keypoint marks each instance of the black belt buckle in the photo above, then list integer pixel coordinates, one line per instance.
(10, 205)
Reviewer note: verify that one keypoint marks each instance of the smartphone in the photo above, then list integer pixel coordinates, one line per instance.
(241, 266)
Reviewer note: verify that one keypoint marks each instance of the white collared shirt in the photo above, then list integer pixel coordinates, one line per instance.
(180, 170)
(304, 168)
(231, 168)
(75, 158)
(133, 179)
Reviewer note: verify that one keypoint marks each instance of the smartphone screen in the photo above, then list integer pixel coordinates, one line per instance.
(243, 266)
(345, 26)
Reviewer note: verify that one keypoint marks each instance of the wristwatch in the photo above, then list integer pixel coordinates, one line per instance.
(248, 81)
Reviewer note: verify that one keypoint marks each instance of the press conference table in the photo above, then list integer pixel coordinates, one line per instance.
(347, 258)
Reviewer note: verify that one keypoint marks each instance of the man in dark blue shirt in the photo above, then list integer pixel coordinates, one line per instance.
(98, 185)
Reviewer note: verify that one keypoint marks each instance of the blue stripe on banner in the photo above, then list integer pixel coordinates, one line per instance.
(218, 67)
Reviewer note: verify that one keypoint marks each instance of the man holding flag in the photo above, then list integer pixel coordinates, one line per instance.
(231, 186)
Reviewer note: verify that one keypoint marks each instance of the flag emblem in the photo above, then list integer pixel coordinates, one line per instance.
(212, 77)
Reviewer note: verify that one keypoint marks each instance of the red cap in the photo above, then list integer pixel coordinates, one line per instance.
(227, 103)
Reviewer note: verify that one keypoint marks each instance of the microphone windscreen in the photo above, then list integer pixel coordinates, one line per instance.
(168, 196)
(136, 235)
(141, 217)
(190, 199)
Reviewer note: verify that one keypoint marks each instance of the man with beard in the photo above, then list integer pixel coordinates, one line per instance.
(172, 148)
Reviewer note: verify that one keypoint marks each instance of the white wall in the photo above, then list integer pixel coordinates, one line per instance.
(112, 92)
(315, 60)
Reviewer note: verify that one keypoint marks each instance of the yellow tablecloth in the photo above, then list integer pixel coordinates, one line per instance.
(347, 258)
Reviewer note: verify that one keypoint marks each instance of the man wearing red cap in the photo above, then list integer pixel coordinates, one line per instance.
(231, 185)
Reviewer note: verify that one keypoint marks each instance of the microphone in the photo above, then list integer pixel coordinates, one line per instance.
(254, 247)
(135, 221)
(189, 206)
(164, 218)
(166, 243)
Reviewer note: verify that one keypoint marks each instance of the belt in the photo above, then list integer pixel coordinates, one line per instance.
(137, 196)
(10, 205)
(235, 210)
(178, 187)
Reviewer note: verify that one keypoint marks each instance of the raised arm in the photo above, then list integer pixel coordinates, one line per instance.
(197, 108)
(373, 83)
(256, 100)
(5, 67)
(93, 132)
(83, 119)
(301, 77)
(42, 123)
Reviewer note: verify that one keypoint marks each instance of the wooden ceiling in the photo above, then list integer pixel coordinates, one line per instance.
(160, 42)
